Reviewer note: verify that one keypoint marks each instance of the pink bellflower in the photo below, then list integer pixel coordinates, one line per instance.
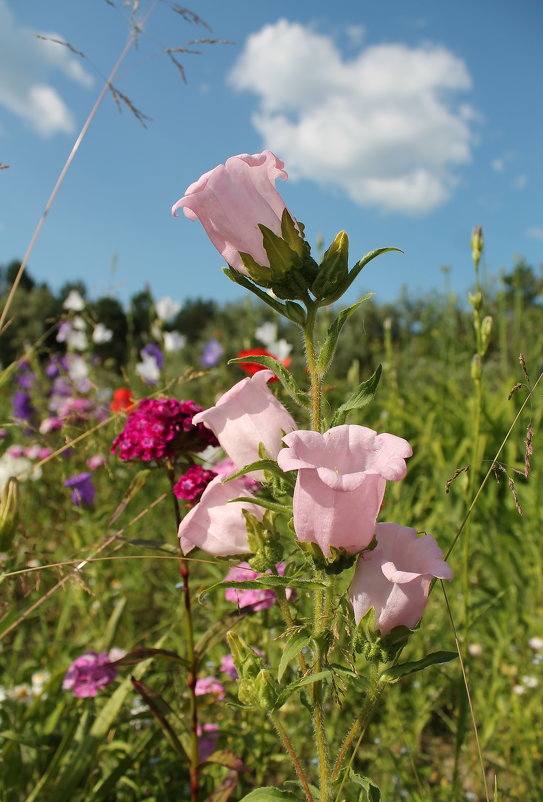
(394, 578)
(341, 482)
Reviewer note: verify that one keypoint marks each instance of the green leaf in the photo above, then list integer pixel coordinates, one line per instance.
(260, 465)
(264, 502)
(281, 257)
(293, 646)
(285, 376)
(159, 708)
(269, 581)
(298, 684)
(328, 349)
(137, 655)
(243, 281)
(356, 270)
(359, 399)
(396, 672)
(224, 757)
(270, 794)
(373, 794)
(112, 625)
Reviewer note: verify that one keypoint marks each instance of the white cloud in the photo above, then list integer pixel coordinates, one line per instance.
(25, 62)
(381, 127)
(520, 181)
(536, 232)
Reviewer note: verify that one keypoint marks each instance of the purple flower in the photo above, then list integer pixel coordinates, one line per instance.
(23, 408)
(152, 349)
(208, 735)
(227, 666)
(88, 674)
(213, 351)
(25, 376)
(83, 490)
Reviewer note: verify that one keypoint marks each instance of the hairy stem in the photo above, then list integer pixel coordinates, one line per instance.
(294, 757)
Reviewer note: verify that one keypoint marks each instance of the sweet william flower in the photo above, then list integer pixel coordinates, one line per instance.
(216, 524)
(341, 482)
(245, 416)
(232, 199)
(394, 578)
(89, 673)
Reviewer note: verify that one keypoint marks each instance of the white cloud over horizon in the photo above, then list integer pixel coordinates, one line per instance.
(382, 126)
(25, 63)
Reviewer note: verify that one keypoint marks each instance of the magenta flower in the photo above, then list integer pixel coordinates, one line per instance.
(228, 667)
(247, 415)
(216, 524)
(192, 483)
(88, 674)
(257, 599)
(83, 490)
(232, 199)
(209, 685)
(159, 428)
(208, 735)
(394, 578)
(341, 482)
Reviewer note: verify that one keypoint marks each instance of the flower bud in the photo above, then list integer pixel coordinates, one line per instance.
(486, 330)
(9, 513)
(266, 690)
(477, 243)
(333, 269)
(247, 662)
(475, 300)
(476, 367)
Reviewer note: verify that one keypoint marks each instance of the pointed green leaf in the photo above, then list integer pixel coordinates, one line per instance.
(299, 683)
(356, 270)
(293, 646)
(137, 655)
(281, 257)
(328, 349)
(262, 275)
(270, 794)
(359, 399)
(373, 794)
(396, 672)
(269, 465)
(290, 233)
(285, 376)
(264, 502)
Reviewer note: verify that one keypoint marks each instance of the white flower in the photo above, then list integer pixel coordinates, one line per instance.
(280, 349)
(21, 693)
(39, 679)
(519, 689)
(148, 368)
(475, 649)
(173, 341)
(78, 368)
(166, 308)
(530, 682)
(15, 466)
(536, 644)
(266, 333)
(101, 334)
(74, 302)
(77, 340)
(79, 323)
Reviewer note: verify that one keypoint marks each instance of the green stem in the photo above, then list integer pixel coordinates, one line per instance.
(191, 654)
(360, 725)
(294, 757)
(321, 604)
(316, 384)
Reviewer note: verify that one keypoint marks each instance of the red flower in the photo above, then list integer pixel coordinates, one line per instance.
(253, 367)
(122, 400)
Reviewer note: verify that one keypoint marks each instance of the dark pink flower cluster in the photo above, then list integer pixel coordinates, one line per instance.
(160, 428)
(193, 482)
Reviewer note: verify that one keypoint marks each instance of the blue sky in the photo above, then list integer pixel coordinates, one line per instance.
(403, 123)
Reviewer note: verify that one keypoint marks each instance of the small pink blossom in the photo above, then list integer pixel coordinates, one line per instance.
(209, 685)
(96, 461)
(89, 673)
(341, 482)
(246, 416)
(216, 524)
(192, 483)
(394, 578)
(227, 666)
(232, 199)
(257, 599)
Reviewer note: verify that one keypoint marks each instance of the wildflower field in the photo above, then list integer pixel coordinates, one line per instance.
(273, 650)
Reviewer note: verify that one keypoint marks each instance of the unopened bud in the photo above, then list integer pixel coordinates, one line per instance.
(9, 513)
(477, 243)
(486, 330)
(333, 269)
(266, 690)
(476, 300)
(476, 367)
(247, 662)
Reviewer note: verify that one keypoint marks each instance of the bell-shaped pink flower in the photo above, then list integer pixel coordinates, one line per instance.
(247, 415)
(216, 524)
(232, 199)
(341, 482)
(394, 578)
